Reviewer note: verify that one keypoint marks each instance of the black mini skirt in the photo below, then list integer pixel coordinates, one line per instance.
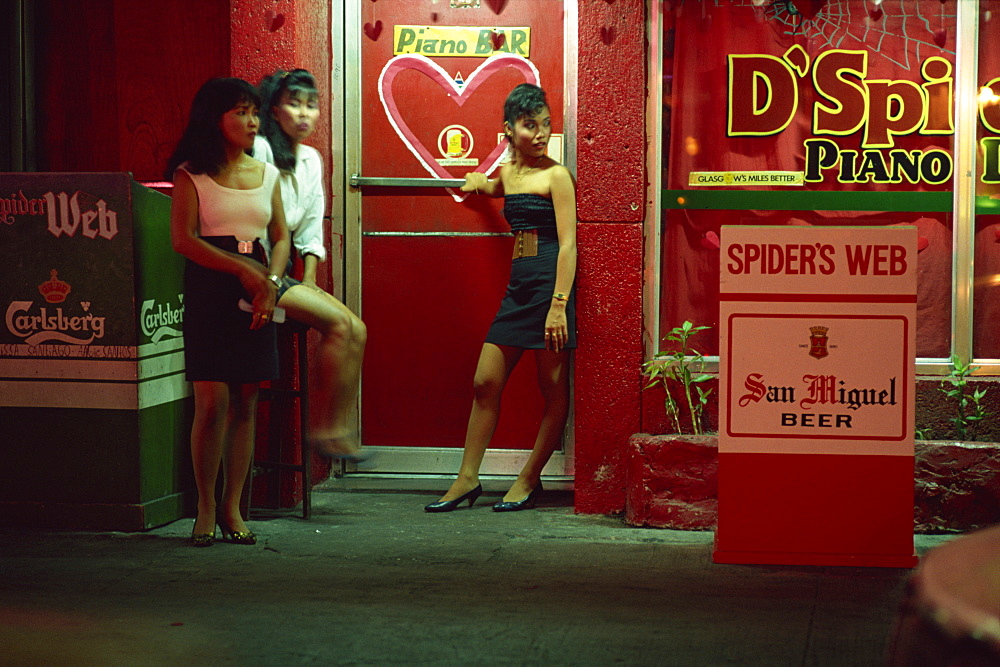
(218, 343)
(520, 322)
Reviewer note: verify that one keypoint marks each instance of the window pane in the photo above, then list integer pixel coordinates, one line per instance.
(986, 313)
(853, 98)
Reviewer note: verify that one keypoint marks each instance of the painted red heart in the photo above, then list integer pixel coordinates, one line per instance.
(497, 5)
(275, 21)
(434, 17)
(498, 39)
(373, 31)
(457, 94)
(922, 242)
(607, 35)
(710, 241)
(875, 13)
(941, 37)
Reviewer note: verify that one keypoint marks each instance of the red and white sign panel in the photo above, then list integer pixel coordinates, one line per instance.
(817, 339)
(816, 390)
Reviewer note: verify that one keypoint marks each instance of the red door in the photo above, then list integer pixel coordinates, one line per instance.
(432, 78)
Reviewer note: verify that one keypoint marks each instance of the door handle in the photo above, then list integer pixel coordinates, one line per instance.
(359, 181)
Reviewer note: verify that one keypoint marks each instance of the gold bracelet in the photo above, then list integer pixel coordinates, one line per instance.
(559, 296)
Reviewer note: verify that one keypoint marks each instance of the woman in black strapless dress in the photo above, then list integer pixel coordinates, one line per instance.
(538, 309)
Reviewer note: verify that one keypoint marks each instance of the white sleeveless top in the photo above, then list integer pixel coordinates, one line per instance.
(224, 211)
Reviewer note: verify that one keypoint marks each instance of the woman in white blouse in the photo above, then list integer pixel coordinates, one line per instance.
(289, 112)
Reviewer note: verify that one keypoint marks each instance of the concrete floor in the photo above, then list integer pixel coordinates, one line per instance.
(373, 580)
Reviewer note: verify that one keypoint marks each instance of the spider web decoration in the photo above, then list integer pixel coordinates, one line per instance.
(908, 25)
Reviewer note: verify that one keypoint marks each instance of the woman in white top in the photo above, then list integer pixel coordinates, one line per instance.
(290, 112)
(224, 204)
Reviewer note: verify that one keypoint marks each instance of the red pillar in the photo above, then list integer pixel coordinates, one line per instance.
(611, 207)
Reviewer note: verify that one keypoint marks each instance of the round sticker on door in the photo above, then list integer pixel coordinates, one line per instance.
(455, 143)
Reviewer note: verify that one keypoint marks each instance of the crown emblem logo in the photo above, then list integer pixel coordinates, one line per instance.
(53, 289)
(817, 342)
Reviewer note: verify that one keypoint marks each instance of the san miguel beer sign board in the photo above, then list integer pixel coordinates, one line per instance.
(816, 390)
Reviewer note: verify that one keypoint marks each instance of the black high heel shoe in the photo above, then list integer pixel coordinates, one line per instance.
(449, 505)
(235, 536)
(202, 539)
(526, 503)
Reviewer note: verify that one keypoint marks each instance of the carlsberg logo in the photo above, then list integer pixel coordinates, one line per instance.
(160, 320)
(60, 325)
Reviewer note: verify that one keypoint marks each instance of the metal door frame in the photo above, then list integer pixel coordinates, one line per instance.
(345, 74)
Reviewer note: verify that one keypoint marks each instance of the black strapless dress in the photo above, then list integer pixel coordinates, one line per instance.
(520, 322)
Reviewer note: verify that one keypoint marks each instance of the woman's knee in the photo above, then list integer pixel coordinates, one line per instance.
(337, 325)
(359, 331)
(487, 386)
(348, 328)
(211, 404)
(211, 415)
(244, 404)
(554, 390)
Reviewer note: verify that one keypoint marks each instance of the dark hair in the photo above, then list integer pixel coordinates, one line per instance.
(202, 145)
(295, 82)
(525, 100)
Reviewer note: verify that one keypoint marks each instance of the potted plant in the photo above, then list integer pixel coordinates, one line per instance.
(671, 478)
(957, 468)
(681, 369)
(967, 402)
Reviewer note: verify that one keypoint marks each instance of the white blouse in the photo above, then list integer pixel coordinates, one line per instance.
(302, 196)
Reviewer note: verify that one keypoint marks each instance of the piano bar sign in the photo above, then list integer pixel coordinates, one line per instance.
(474, 42)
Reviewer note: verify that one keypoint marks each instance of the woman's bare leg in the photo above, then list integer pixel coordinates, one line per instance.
(208, 433)
(238, 454)
(495, 365)
(338, 364)
(553, 382)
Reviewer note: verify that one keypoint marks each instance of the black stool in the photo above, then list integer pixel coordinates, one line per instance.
(294, 386)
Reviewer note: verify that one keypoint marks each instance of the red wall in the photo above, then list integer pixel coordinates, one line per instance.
(114, 94)
(115, 78)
